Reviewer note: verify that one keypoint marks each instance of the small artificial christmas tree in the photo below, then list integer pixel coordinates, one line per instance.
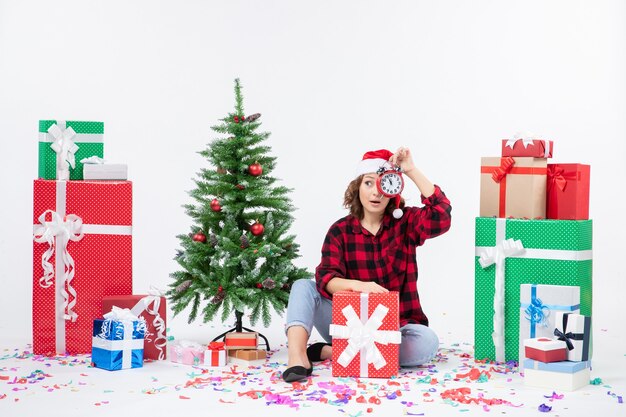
(238, 255)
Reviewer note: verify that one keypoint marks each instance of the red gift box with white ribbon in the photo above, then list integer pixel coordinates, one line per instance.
(366, 336)
(527, 146)
(150, 307)
(82, 252)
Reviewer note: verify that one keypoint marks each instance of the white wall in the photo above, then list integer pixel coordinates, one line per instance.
(332, 79)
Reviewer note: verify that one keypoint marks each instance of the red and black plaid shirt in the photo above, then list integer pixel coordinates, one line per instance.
(388, 258)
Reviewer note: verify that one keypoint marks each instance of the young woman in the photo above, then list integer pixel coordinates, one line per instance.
(369, 251)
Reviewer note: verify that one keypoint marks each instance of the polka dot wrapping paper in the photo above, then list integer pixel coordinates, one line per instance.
(99, 263)
(555, 252)
(378, 312)
(90, 141)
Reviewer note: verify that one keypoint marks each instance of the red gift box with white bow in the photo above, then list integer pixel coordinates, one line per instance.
(366, 336)
(527, 146)
(82, 252)
(150, 307)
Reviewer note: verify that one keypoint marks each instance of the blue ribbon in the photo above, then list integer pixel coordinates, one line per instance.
(537, 313)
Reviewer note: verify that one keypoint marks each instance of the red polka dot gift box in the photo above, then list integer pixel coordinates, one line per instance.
(82, 252)
(366, 337)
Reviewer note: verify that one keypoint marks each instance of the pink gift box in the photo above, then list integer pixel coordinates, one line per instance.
(186, 352)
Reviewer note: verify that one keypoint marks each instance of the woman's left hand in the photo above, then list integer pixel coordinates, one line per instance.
(403, 159)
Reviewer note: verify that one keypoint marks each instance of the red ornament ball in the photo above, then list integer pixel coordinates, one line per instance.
(255, 169)
(220, 289)
(259, 285)
(236, 119)
(239, 186)
(215, 205)
(257, 229)
(199, 237)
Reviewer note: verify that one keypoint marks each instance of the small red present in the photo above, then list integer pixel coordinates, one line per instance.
(527, 146)
(241, 340)
(366, 336)
(152, 309)
(568, 192)
(215, 354)
(546, 350)
(82, 252)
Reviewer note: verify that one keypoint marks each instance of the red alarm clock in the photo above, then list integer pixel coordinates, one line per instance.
(390, 182)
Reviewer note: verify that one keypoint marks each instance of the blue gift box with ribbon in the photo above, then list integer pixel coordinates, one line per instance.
(118, 343)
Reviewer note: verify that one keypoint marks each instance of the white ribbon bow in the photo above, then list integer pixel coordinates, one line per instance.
(64, 147)
(525, 137)
(154, 300)
(497, 255)
(63, 230)
(362, 336)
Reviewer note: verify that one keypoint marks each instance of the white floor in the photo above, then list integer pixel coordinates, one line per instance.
(31, 386)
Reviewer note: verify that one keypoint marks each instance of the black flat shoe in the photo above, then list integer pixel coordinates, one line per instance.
(314, 352)
(297, 373)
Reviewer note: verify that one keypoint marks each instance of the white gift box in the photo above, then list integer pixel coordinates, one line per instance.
(565, 376)
(577, 329)
(538, 307)
(105, 171)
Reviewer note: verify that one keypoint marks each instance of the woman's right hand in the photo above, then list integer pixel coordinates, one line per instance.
(368, 287)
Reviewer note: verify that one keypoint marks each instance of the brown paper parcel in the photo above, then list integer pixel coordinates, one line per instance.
(513, 187)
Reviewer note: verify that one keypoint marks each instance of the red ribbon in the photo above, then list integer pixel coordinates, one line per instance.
(216, 346)
(505, 167)
(557, 176)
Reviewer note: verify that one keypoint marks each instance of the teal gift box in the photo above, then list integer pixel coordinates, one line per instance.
(88, 138)
(511, 252)
(117, 344)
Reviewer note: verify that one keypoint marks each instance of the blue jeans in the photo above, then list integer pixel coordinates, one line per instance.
(307, 308)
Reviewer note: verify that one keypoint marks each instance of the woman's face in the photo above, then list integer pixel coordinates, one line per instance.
(373, 202)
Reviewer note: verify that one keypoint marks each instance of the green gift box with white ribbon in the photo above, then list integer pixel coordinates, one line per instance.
(63, 144)
(511, 252)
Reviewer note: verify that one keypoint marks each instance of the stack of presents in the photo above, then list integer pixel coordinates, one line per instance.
(533, 265)
(83, 298)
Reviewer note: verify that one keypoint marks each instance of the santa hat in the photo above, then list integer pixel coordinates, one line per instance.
(378, 161)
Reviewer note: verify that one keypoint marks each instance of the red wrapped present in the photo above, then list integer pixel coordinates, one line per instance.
(82, 252)
(366, 336)
(151, 308)
(513, 187)
(241, 340)
(215, 354)
(527, 146)
(545, 350)
(568, 192)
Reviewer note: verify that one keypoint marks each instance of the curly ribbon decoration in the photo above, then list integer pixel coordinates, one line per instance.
(154, 300)
(363, 334)
(497, 255)
(505, 167)
(61, 230)
(64, 147)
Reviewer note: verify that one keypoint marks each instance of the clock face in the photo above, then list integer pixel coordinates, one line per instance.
(390, 184)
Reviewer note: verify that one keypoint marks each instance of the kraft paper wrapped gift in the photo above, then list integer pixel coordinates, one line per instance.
(186, 352)
(511, 252)
(241, 340)
(248, 354)
(536, 148)
(82, 252)
(366, 336)
(545, 350)
(152, 309)
(63, 144)
(118, 341)
(513, 187)
(565, 376)
(574, 329)
(568, 191)
(539, 308)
